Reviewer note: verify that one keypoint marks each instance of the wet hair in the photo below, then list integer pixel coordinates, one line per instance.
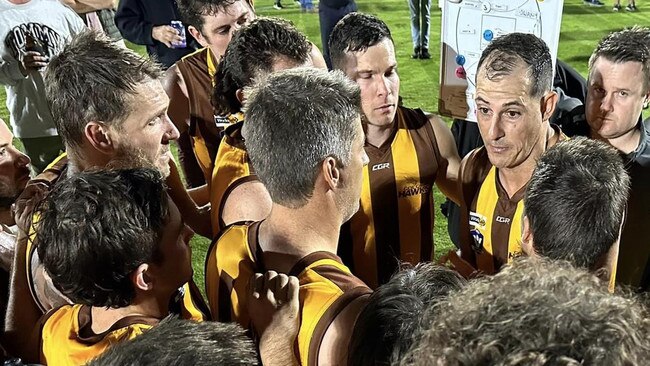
(536, 312)
(184, 342)
(93, 79)
(628, 45)
(575, 201)
(96, 227)
(509, 52)
(389, 324)
(252, 52)
(354, 33)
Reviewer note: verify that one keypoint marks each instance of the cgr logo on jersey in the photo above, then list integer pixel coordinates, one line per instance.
(412, 190)
(381, 166)
(503, 220)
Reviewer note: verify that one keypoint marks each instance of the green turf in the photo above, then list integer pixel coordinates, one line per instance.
(582, 27)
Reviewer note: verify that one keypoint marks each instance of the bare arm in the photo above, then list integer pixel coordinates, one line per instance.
(334, 346)
(179, 103)
(274, 311)
(196, 218)
(200, 195)
(22, 312)
(85, 6)
(250, 201)
(449, 160)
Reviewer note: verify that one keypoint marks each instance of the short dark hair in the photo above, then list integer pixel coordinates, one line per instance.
(536, 312)
(627, 45)
(193, 11)
(184, 342)
(252, 52)
(93, 79)
(389, 324)
(96, 227)
(503, 55)
(575, 201)
(318, 113)
(355, 32)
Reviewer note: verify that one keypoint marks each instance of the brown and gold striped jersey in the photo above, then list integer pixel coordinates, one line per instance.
(67, 337)
(490, 220)
(326, 285)
(198, 69)
(395, 219)
(232, 168)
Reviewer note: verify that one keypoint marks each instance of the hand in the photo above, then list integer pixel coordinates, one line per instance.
(33, 60)
(274, 311)
(166, 34)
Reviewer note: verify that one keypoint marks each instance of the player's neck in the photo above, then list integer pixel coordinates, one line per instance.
(626, 143)
(299, 232)
(377, 135)
(104, 318)
(79, 161)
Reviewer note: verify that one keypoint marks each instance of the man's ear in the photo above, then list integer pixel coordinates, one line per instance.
(99, 137)
(240, 95)
(646, 101)
(198, 36)
(549, 102)
(527, 237)
(331, 172)
(141, 279)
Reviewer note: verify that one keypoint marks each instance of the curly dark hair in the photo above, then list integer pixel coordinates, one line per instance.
(536, 312)
(96, 227)
(251, 52)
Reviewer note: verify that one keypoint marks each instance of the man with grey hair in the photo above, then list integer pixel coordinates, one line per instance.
(618, 91)
(514, 102)
(110, 109)
(311, 162)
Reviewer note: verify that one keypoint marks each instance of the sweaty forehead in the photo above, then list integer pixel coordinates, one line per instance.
(617, 74)
(225, 14)
(511, 85)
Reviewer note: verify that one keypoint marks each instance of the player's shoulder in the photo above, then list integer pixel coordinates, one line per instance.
(412, 118)
(475, 166)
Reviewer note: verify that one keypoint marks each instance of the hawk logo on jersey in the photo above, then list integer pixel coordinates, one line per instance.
(412, 190)
(381, 166)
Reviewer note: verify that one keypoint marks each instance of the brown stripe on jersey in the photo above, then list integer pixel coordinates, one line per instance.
(386, 224)
(328, 317)
(225, 305)
(505, 208)
(311, 258)
(428, 175)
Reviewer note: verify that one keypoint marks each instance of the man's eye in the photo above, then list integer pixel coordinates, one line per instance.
(225, 30)
(484, 110)
(623, 93)
(513, 114)
(154, 121)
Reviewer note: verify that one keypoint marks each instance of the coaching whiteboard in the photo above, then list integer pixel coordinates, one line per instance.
(468, 26)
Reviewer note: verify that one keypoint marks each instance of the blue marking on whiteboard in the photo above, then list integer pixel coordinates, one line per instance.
(460, 60)
(488, 35)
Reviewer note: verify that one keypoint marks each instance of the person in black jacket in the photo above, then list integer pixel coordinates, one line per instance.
(329, 13)
(148, 22)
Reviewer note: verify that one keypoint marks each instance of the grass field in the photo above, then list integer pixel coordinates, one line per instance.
(582, 27)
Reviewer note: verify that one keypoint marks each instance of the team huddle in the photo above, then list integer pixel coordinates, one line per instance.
(318, 198)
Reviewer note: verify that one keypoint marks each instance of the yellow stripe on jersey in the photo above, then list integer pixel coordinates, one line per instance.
(407, 174)
(363, 231)
(229, 259)
(514, 241)
(487, 201)
(62, 344)
(231, 164)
